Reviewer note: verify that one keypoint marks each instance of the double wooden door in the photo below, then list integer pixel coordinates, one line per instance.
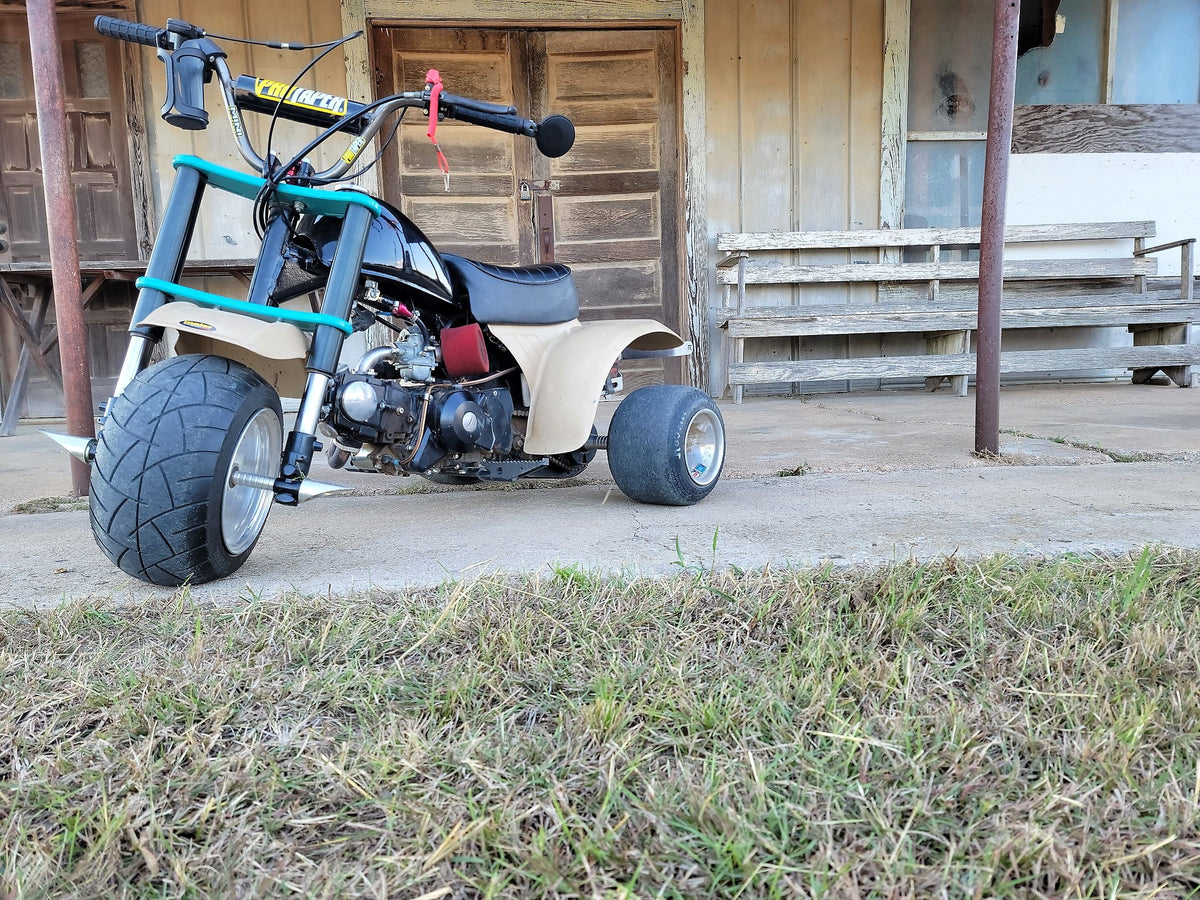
(609, 208)
(94, 95)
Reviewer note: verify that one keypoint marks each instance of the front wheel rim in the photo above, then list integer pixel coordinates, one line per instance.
(244, 508)
(704, 447)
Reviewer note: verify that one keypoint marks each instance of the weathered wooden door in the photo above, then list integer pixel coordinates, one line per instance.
(94, 97)
(609, 208)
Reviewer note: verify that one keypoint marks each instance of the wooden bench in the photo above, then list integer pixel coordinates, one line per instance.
(918, 290)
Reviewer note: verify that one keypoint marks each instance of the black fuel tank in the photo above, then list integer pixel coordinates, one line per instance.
(397, 253)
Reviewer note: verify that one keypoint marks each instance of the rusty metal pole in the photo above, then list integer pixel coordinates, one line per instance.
(991, 242)
(60, 218)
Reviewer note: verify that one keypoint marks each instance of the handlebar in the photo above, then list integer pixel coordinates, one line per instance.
(191, 59)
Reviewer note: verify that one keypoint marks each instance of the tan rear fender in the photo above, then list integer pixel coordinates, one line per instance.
(566, 366)
(275, 350)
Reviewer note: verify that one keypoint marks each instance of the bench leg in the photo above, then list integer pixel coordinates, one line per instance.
(739, 350)
(1157, 336)
(943, 343)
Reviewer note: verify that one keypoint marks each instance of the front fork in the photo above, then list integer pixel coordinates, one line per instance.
(167, 262)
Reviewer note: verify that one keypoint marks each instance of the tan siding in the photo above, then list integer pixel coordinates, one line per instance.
(794, 108)
(224, 229)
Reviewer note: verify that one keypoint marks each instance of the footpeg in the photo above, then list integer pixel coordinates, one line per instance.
(82, 448)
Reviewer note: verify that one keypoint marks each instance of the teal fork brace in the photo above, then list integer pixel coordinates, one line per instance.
(329, 327)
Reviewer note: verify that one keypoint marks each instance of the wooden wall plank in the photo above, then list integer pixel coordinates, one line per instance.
(526, 10)
(767, 102)
(1096, 128)
(822, 108)
(723, 145)
(866, 112)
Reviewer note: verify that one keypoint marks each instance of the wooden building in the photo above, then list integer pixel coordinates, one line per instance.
(695, 117)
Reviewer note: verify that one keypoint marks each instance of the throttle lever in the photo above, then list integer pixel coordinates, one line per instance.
(188, 70)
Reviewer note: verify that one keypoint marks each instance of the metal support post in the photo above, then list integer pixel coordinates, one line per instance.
(60, 211)
(991, 245)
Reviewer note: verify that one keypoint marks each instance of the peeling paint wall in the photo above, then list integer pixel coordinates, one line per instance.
(1103, 187)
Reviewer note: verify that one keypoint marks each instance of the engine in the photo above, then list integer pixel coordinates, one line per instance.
(391, 400)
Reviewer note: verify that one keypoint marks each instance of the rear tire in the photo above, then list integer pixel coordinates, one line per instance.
(666, 445)
(162, 506)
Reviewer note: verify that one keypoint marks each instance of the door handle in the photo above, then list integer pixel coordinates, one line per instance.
(545, 228)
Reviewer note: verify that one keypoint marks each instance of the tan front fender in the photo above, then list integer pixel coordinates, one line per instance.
(275, 350)
(566, 366)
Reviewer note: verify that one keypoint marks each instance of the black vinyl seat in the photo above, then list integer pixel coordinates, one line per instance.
(524, 295)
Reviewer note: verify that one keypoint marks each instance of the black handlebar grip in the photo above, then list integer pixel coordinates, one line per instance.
(509, 122)
(479, 106)
(133, 32)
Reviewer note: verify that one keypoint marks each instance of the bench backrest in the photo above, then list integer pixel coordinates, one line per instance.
(888, 244)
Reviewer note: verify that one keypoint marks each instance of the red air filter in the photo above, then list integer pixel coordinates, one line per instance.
(464, 352)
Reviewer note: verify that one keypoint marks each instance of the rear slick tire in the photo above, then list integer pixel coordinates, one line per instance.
(666, 445)
(162, 504)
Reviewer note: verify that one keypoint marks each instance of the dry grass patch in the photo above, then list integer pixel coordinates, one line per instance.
(994, 729)
(50, 505)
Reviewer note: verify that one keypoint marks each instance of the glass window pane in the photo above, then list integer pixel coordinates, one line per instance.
(93, 69)
(944, 183)
(1068, 71)
(950, 60)
(1158, 52)
(12, 73)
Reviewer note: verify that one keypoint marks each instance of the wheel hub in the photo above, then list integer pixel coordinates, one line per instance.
(244, 508)
(703, 447)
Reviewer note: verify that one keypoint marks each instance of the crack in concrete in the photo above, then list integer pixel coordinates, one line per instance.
(1120, 456)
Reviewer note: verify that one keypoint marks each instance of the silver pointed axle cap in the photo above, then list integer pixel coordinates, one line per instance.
(310, 490)
(307, 490)
(82, 448)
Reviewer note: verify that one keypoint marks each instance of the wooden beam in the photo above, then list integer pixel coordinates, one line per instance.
(1096, 128)
(526, 10)
(1011, 362)
(360, 81)
(30, 353)
(895, 113)
(1110, 50)
(140, 160)
(962, 320)
(851, 273)
(927, 237)
(695, 177)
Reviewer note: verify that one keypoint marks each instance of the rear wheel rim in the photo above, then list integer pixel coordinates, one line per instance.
(704, 447)
(244, 508)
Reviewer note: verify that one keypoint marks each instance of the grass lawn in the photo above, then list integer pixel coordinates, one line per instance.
(1001, 728)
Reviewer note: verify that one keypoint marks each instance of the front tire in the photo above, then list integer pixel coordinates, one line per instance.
(162, 504)
(666, 445)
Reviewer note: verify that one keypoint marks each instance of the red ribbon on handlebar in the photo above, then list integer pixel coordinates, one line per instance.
(433, 81)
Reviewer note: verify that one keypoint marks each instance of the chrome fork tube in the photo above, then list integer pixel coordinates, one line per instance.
(137, 357)
(309, 415)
